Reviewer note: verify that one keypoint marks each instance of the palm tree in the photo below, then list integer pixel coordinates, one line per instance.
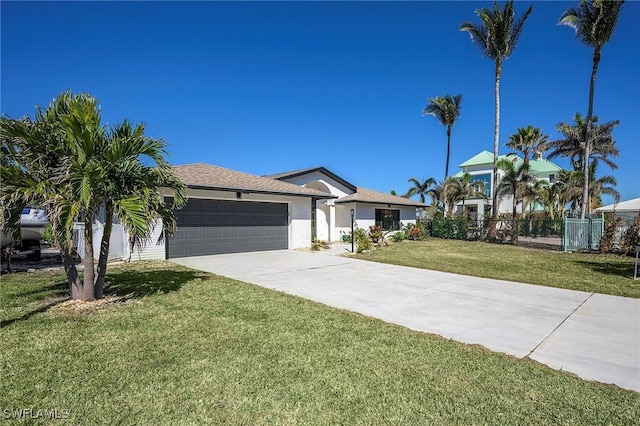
(420, 188)
(496, 36)
(514, 181)
(446, 110)
(572, 144)
(528, 140)
(130, 188)
(472, 189)
(594, 22)
(549, 195)
(67, 162)
(453, 191)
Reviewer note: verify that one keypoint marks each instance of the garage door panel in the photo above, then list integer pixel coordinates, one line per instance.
(224, 226)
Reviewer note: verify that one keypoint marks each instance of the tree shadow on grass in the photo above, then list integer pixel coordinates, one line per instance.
(134, 284)
(46, 297)
(622, 269)
(123, 284)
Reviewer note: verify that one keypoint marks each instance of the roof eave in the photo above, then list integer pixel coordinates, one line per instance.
(259, 191)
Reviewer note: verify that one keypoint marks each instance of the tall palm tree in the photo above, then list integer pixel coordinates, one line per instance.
(496, 36)
(572, 144)
(446, 110)
(421, 189)
(514, 181)
(594, 22)
(530, 141)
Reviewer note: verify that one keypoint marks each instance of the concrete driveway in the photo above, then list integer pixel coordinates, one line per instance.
(594, 336)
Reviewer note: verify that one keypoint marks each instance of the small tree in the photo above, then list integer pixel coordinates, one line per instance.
(71, 165)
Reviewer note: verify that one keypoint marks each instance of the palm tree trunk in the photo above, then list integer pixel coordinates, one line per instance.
(496, 137)
(586, 208)
(87, 287)
(75, 283)
(104, 253)
(446, 167)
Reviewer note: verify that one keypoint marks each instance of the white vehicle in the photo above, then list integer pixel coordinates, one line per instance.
(32, 225)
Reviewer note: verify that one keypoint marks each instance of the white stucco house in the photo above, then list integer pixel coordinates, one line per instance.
(480, 167)
(230, 211)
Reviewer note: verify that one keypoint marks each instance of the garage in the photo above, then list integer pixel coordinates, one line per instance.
(208, 227)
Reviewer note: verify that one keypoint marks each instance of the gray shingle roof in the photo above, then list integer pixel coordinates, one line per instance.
(214, 177)
(364, 195)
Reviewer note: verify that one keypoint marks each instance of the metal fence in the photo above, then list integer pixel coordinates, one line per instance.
(582, 234)
(505, 230)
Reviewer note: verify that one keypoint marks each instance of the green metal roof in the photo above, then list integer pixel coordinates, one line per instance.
(538, 167)
(485, 157)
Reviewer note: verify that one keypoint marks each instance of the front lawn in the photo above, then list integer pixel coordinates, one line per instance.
(185, 347)
(598, 273)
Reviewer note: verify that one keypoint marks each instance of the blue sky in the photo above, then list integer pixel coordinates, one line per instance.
(275, 86)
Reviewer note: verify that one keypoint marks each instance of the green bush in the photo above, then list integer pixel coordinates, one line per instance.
(47, 235)
(362, 240)
(399, 236)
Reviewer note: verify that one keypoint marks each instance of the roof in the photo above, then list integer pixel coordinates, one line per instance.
(629, 205)
(207, 176)
(485, 157)
(364, 195)
(302, 172)
(541, 166)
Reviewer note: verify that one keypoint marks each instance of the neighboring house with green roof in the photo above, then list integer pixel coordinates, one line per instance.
(480, 167)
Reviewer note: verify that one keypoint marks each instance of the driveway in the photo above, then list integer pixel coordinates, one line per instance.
(592, 335)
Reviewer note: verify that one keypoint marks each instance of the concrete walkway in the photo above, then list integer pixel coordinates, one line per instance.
(594, 336)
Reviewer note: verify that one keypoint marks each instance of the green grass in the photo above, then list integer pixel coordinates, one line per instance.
(599, 273)
(185, 347)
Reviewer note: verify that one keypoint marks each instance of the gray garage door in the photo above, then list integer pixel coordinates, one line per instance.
(221, 226)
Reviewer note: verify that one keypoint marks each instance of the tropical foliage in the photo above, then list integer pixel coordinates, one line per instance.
(422, 189)
(71, 165)
(496, 36)
(594, 22)
(446, 109)
(515, 181)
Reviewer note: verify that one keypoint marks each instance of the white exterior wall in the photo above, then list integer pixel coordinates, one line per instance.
(299, 220)
(300, 223)
(365, 214)
(334, 187)
(150, 249)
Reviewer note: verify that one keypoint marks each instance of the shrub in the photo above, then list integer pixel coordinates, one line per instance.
(399, 236)
(47, 235)
(362, 240)
(631, 237)
(376, 234)
(317, 244)
(608, 240)
(417, 231)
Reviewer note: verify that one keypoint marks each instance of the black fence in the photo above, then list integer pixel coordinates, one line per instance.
(500, 230)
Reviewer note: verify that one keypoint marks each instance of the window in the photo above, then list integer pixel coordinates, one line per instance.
(552, 178)
(388, 219)
(486, 178)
